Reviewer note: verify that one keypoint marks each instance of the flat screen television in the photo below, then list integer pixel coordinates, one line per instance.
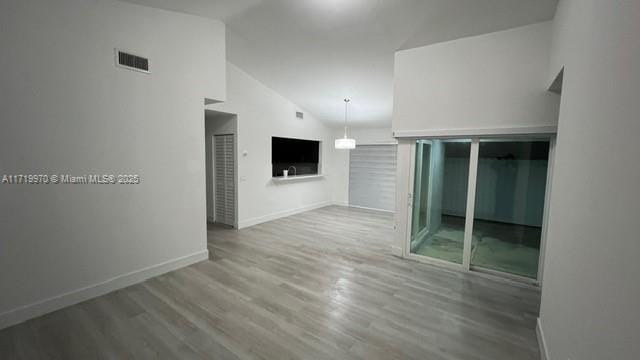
(300, 157)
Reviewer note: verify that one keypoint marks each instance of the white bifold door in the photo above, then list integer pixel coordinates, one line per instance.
(224, 175)
(372, 177)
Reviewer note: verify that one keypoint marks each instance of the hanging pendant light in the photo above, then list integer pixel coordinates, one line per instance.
(345, 142)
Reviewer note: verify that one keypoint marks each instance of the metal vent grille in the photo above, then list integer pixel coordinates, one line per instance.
(132, 62)
(299, 114)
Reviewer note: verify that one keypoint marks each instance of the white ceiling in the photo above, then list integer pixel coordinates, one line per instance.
(317, 52)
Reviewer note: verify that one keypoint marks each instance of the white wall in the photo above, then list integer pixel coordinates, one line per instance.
(65, 108)
(590, 292)
(368, 136)
(262, 113)
(340, 158)
(489, 81)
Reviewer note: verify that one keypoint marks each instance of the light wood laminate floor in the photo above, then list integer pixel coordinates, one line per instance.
(317, 285)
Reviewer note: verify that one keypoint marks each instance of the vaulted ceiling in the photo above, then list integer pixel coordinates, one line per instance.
(317, 52)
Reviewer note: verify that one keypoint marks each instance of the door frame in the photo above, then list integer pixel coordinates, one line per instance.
(470, 210)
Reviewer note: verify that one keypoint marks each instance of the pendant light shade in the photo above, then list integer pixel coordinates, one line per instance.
(345, 142)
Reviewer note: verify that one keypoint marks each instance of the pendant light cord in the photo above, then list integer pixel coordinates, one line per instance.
(346, 104)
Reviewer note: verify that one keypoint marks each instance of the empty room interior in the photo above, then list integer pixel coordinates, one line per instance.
(320, 179)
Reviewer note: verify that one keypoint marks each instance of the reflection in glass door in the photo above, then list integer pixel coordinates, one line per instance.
(507, 178)
(509, 206)
(439, 199)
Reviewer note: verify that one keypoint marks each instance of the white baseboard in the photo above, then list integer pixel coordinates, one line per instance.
(277, 215)
(26, 312)
(542, 344)
(370, 208)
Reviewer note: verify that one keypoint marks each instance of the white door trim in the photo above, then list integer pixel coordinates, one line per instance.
(545, 214)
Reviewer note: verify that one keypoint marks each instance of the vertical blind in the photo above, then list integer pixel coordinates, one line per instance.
(225, 186)
(372, 177)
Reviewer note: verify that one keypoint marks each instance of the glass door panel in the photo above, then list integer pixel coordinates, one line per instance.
(509, 205)
(421, 188)
(440, 199)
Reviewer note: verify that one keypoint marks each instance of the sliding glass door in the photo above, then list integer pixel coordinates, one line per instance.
(439, 199)
(509, 205)
(479, 203)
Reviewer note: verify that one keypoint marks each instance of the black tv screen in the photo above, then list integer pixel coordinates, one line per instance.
(300, 157)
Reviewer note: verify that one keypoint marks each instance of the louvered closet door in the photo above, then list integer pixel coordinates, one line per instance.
(372, 177)
(225, 186)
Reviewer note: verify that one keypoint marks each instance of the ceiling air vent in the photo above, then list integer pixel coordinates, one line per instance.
(299, 114)
(132, 62)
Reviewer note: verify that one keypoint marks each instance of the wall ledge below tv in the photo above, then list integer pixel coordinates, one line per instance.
(282, 179)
